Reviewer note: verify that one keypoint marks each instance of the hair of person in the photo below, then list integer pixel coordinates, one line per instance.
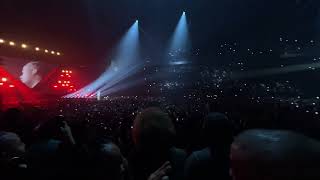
(106, 158)
(218, 130)
(153, 126)
(6, 140)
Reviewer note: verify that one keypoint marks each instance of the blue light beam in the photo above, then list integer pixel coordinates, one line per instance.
(125, 63)
(180, 39)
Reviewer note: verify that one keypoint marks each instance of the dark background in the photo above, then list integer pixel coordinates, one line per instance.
(86, 30)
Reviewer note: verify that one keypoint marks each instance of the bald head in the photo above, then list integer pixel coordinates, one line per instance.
(271, 154)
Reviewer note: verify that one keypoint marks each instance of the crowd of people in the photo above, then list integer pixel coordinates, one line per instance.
(191, 137)
(214, 127)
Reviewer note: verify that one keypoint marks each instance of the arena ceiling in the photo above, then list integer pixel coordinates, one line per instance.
(86, 30)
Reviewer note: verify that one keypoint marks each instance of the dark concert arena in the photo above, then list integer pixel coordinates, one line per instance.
(160, 89)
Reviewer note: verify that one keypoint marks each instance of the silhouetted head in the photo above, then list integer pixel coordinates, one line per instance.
(12, 150)
(11, 144)
(107, 161)
(218, 130)
(153, 130)
(12, 119)
(275, 155)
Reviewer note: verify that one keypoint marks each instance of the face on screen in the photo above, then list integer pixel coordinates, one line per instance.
(30, 75)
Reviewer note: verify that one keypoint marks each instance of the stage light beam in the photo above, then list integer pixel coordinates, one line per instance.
(180, 37)
(180, 41)
(124, 63)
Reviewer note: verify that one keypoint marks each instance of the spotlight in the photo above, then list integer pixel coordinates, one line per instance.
(46, 51)
(58, 53)
(11, 43)
(2, 41)
(52, 52)
(126, 56)
(180, 39)
(55, 86)
(37, 49)
(4, 79)
(1, 84)
(11, 86)
(24, 46)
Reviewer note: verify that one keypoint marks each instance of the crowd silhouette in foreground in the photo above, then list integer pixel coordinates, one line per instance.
(136, 138)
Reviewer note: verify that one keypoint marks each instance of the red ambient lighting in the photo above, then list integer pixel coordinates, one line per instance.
(4, 79)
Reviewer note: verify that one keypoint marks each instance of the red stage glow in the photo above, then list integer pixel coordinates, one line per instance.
(13, 92)
(4, 79)
(64, 82)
